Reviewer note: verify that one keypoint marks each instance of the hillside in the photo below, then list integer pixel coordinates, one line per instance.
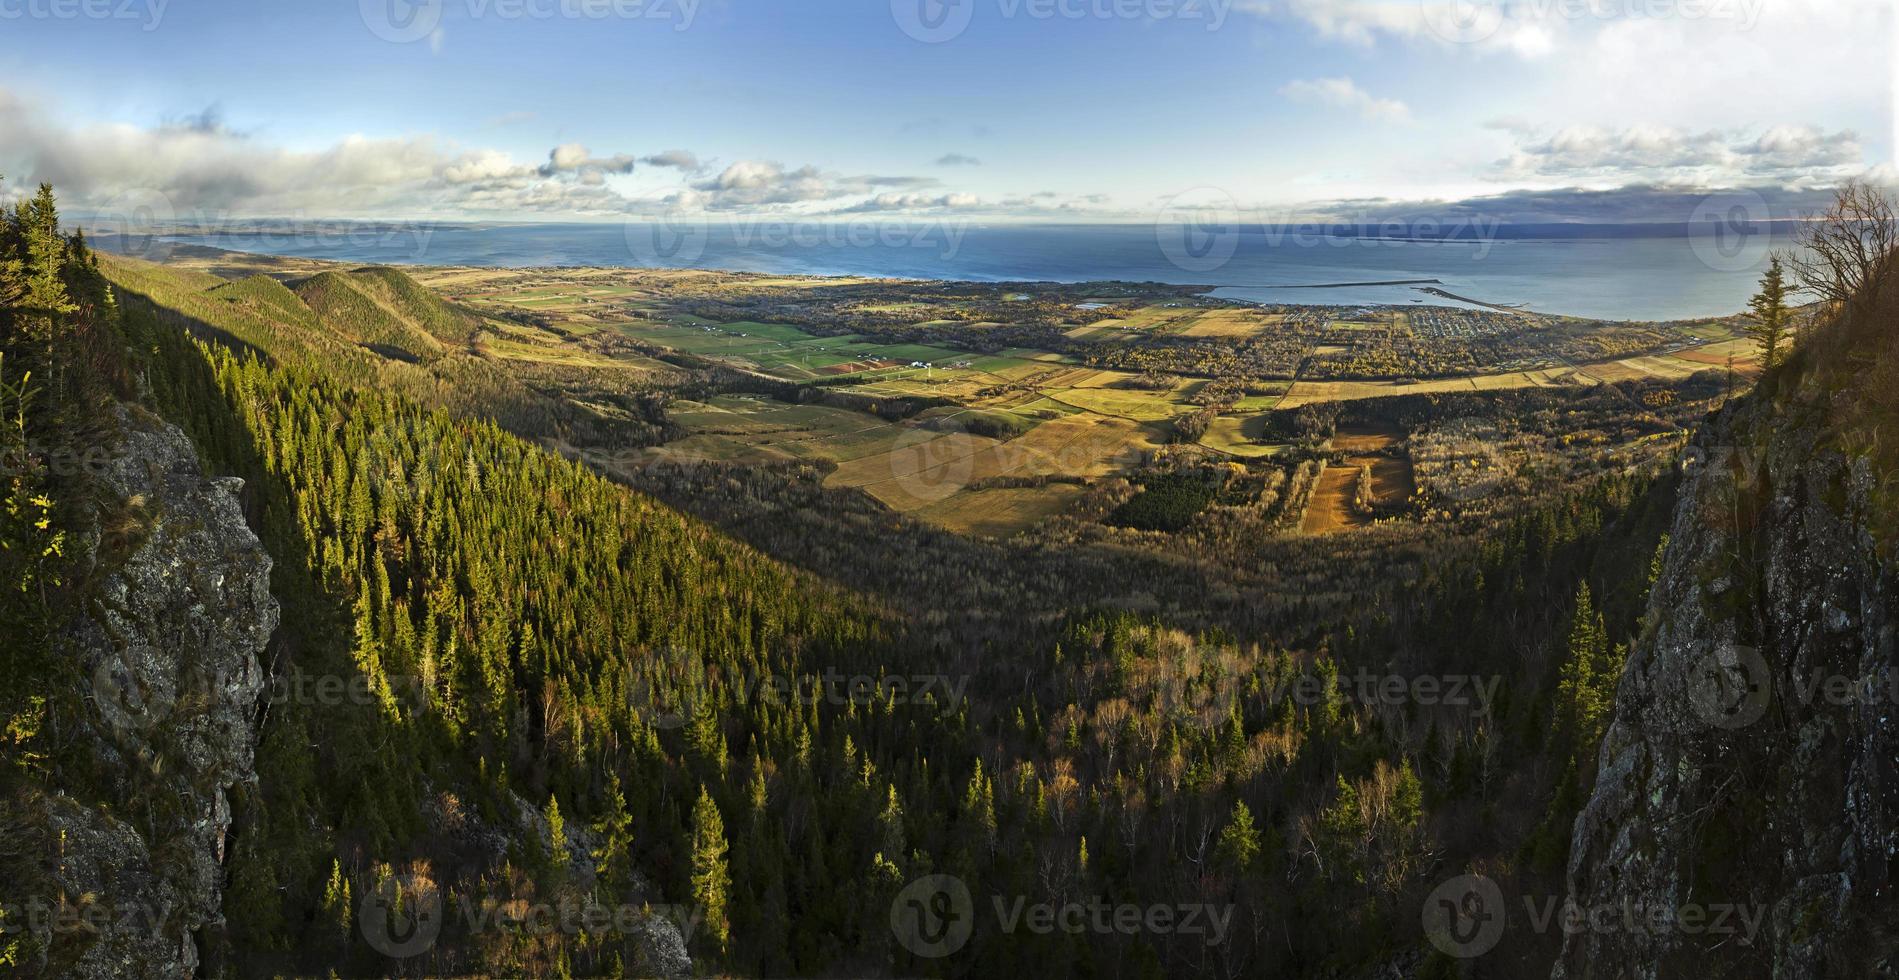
(386, 311)
(1752, 764)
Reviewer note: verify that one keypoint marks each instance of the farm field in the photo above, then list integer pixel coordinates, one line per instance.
(752, 427)
(1096, 388)
(1001, 511)
(1393, 481)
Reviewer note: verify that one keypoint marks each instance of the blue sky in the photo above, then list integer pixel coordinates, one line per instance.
(1019, 109)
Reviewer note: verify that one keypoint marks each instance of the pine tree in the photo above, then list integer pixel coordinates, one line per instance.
(1769, 314)
(337, 909)
(711, 880)
(613, 858)
(45, 256)
(12, 273)
(1588, 675)
(557, 853)
(890, 827)
(1239, 842)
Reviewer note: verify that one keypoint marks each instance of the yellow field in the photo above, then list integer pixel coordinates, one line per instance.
(1632, 368)
(1001, 511)
(1223, 323)
(922, 468)
(1141, 406)
(1235, 435)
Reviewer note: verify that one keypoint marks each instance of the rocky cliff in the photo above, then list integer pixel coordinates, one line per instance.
(128, 876)
(1745, 820)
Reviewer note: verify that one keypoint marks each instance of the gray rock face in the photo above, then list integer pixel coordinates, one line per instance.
(1747, 807)
(170, 642)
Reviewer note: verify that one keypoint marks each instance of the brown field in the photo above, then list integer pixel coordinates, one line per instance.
(1635, 368)
(924, 468)
(1368, 439)
(1331, 507)
(1223, 323)
(1001, 511)
(1310, 392)
(855, 367)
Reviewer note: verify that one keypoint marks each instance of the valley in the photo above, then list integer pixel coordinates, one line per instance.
(996, 409)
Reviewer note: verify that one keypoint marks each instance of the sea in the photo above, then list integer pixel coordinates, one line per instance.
(1604, 272)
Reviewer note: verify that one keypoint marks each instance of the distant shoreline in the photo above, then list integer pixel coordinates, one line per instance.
(1382, 282)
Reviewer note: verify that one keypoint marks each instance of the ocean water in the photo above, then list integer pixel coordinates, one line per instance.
(1604, 272)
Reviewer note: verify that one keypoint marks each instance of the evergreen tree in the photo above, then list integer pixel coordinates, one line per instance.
(558, 855)
(613, 859)
(711, 881)
(1769, 314)
(1239, 842)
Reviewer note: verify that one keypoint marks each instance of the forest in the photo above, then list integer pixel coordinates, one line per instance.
(572, 689)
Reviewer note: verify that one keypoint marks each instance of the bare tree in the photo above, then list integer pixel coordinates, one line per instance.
(1848, 245)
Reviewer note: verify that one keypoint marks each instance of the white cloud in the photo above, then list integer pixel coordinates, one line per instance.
(1802, 155)
(1525, 30)
(768, 185)
(1343, 93)
(577, 159)
(917, 202)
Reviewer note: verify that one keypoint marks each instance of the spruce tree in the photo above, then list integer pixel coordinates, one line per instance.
(711, 880)
(613, 858)
(1769, 313)
(1239, 842)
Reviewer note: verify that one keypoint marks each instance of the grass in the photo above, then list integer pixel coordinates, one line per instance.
(739, 427)
(1000, 512)
(1239, 435)
(1141, 406)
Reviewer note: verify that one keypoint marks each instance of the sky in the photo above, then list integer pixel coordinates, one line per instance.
(1024, 110)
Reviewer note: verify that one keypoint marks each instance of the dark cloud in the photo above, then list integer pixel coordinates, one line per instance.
(684, 161)
(1635, 204)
